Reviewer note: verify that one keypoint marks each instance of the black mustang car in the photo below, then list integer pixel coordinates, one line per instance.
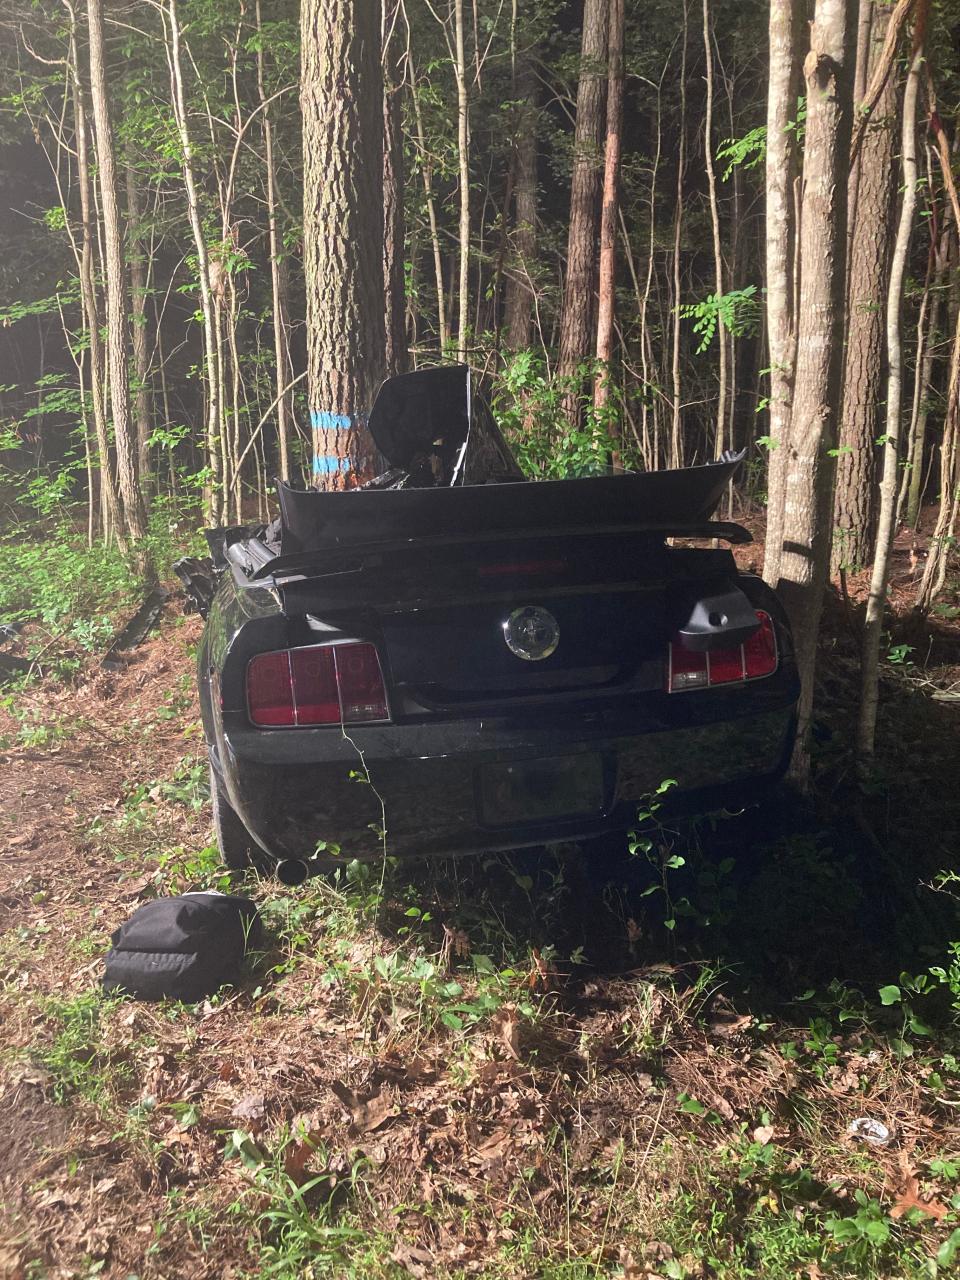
(452, 659)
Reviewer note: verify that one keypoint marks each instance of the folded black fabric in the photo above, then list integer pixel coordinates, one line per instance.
(182, 948)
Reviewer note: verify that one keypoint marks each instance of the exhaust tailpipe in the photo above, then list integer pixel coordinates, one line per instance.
(292, 871)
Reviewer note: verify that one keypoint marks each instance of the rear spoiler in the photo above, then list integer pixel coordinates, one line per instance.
(333, 560)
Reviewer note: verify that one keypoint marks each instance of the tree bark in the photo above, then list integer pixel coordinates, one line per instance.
(608, 224)
(395, 304)
(676, 425)
(341, 93)
(715, 226)
(141, 356)
(873, 623)
(278, 289)
(88, 294)
(519, 299)
(808, 503)
(925, 379)
(576, 317)
(463, 157)
(781, 246)
(855, 513)
(941, 541)
(214, 495)
(117, 314)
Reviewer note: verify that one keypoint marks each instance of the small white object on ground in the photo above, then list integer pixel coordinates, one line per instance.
(872, 1131)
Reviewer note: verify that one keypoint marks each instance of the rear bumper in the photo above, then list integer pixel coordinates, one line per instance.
(421, 782)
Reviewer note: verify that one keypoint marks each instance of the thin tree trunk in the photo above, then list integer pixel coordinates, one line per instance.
(109, 501)
(646, 364)
(873, 624)
(463, 156)
(519, 299)
(141, 355)
(855, 513)
(676, 430)
(608, 225)
(117, 314)
(393, 180)
(214, 492)
(941, 541)
(426, 170)
(281, 338)
(715, 224)
(576, 316)
(341, 93)
(781, 244)
(808, 505)
(925, 376)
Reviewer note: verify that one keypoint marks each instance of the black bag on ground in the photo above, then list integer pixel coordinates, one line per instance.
(182, 948)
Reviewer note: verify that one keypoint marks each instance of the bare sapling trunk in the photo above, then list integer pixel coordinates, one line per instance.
(138, 298)
(463, 158)
(520, 282)
(88, 294)
(941, 541)
(925, 380)
(214, 496)
(715, 226)
(278, 291)
(676, 427)
(808, 502)
(116, 313)
(876, 601)
(855, 514)
(576, 316)
(395, 304)
(341, 94)
(608, 225)
(781, 245)
(426, 173)
(650, 409)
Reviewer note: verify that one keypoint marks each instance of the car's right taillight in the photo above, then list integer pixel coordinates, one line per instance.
(752, 660)
(315, 685)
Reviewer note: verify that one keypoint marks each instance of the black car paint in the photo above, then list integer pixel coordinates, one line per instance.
(293, 788)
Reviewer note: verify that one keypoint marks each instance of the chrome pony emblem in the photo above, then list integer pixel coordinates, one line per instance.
(531, 633)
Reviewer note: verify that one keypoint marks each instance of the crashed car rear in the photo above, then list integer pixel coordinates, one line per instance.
(452, 659)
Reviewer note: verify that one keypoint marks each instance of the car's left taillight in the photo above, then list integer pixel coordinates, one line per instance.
(319, 684)
(752, 660)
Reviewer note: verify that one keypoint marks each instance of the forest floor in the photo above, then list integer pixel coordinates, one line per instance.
(540, 1066)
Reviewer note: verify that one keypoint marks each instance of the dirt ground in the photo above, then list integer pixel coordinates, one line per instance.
(435, 1111)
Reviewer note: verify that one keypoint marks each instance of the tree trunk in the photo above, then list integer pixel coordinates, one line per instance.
(117, 315)
(925, 380)
(463, 156)
(873, 624)
(576, 317)
(519, 300)
(942, 539)
(786, 17)
(715, 225)
(395, 305)
(426, 169)
(608, 225)
(141, 356)
(341, 93)
(214, 495)
(281, 339)
(88, 293)
(869, 240)
(676, 425)
(808, 503)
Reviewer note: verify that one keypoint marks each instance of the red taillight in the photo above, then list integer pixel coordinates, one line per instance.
(760, 651)
(321, 684)
(270, 690)
(750, 661)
